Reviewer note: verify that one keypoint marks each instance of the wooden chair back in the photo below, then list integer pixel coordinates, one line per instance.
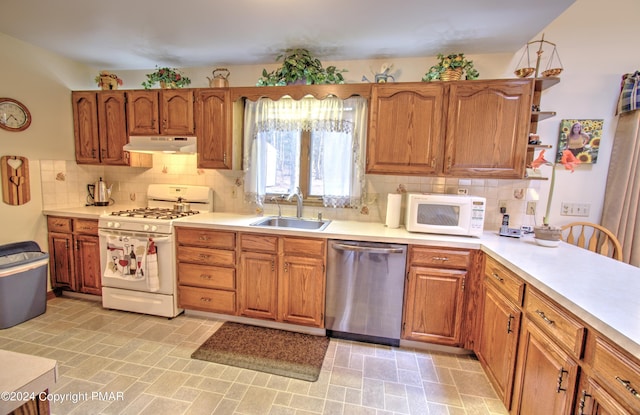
(593, 237)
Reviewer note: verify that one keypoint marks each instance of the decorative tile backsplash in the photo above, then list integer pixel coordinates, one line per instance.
(64, 184)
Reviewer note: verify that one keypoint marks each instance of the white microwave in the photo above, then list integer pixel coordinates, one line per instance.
(445, 214)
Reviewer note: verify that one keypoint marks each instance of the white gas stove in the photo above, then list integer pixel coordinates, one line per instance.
(138, 250)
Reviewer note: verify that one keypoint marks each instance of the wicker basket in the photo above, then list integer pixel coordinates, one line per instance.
(451, 74)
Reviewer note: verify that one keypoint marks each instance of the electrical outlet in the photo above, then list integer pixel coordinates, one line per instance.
(575, 209)
(531, 208)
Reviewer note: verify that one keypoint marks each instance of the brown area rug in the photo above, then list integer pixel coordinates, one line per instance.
(280, 352)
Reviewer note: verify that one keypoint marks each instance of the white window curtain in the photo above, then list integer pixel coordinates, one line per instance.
(341, 124)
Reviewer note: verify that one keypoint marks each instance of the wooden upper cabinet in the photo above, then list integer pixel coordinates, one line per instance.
(165, 112)
(85, 126)
(176, 112)
(405, 129)
(112, 125)
(213, 128)
(458, 128)
(100, 129)
(487, 128)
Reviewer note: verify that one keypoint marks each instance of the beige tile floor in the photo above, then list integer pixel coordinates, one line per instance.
(113, 362)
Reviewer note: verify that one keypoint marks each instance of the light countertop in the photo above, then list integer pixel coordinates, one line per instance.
(603, 292)
(24, 374)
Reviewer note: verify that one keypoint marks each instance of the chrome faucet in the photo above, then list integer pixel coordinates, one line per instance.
(298, 194)
(275, 199)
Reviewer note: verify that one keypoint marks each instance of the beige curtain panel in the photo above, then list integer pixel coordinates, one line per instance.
(620, 212)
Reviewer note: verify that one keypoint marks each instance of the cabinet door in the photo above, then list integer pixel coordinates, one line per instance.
(61, 261)
(433, 306)
(546, 376)
(302, 291)
(142, 112)
(213, 128)
(176, 112)
(258, 285)
(487, 128)
(112, 125)
(85, 127)
(88, 270)
(498, 342)
(405, 129)
(595, 400)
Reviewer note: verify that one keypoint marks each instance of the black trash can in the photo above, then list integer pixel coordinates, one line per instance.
(23, 282)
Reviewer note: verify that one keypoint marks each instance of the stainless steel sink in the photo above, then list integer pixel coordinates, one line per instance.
(291, 223)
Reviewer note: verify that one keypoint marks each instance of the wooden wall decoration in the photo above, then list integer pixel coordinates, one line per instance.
(16, 188)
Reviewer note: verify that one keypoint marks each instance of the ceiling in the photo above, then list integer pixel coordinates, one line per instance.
(137, 34)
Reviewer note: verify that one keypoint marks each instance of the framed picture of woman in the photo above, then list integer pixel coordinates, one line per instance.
(582, 138)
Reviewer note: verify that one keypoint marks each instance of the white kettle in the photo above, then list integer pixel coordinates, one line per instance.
(99, 193)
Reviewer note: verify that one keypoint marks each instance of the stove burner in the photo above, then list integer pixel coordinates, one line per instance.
(153, 213)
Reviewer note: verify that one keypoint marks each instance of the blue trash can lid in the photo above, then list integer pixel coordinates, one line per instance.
(17, 247)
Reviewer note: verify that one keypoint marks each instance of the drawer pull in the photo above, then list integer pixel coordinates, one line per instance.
(583, 402)
(205, 299)
(203, 238)
(204, 256)
(509, 320)
(627, 386)
(439, 258)
(205, 276)
(498, 277)
(560, 378)
(544, 317)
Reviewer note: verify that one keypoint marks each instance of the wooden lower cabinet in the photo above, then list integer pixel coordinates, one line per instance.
(546, 376)
(498, 342)
(206, 270)
(74, 252)
(435, 295)
(593, 399)
(282, 278)
(433, 309)
(302, 290)
(259, 276)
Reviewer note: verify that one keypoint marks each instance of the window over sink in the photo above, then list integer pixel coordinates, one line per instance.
(317, 145)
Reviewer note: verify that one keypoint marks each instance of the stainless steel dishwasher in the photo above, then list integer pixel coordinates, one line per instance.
(365, 288)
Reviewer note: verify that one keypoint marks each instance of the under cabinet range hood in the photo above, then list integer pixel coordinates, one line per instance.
(161, 144)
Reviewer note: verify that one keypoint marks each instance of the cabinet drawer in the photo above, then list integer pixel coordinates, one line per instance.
(304, 246)
(439, 257)
(56, 224)
(261, 243)
(85, 226)
(620, 374)
(206, 238)
(556, 322)
(505, 280)
(205, 256)
(206, 276)
(205, 299)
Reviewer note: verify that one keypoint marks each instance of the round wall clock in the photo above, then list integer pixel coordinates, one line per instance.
(14, 116)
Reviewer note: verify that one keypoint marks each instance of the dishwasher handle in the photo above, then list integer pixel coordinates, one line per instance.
(368, 249)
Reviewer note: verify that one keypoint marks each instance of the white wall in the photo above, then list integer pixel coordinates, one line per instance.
(595, 41)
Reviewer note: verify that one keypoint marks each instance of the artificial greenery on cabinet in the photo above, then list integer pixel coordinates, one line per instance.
(300, 66)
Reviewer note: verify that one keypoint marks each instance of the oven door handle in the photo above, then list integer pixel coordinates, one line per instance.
(156, 239)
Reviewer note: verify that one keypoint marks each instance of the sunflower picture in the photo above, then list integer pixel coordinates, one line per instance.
(582, 138)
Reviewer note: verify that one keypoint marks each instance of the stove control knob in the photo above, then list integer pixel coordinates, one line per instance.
(116, 224)
(154, 228)
(145, 227)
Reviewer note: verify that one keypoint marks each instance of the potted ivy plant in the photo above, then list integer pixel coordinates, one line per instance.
(300, 66)
(451, 68)
(167, 78)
